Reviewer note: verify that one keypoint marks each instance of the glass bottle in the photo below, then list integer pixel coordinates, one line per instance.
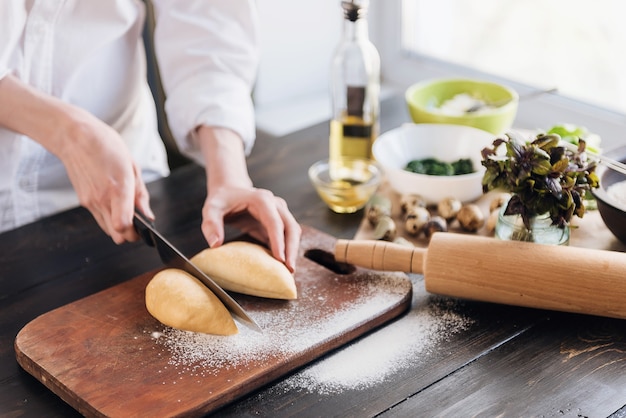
(355, 87)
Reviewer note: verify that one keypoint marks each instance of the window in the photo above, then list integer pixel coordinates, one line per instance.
(576, 46)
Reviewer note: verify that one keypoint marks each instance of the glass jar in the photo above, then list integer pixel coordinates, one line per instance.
(355, 87)
(542, 231)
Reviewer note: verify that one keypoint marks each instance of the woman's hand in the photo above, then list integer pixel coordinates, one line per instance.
(106, 179)
(256, 212)
(232, 198)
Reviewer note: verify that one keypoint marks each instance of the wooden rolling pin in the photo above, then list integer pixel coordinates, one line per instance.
(559, 278)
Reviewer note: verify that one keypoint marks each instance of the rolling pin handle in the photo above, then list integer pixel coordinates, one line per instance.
(380, 255)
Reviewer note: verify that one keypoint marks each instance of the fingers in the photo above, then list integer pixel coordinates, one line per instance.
(142, 197)
(267, 209)
(114, 211)
(110, 220)
(213, 223)
(284, 236)
(120, 219)
(293, 234)
(258, 213)
(100, 219)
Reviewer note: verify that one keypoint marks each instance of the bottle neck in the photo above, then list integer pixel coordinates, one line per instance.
(355, 30)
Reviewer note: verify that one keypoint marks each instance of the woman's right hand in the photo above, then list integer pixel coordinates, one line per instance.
(106, 179)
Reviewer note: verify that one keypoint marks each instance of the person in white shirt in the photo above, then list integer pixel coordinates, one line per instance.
(78, 122)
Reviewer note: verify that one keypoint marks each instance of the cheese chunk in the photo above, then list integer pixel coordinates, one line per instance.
(178, 300)
(247, 268)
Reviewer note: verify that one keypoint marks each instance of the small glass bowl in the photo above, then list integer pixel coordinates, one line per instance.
(346, 184)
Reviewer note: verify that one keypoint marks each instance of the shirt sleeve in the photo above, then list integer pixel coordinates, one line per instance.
(208, 55)
(13, 20)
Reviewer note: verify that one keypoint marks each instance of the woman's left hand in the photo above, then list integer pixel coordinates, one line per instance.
(257, 212)
(232, 198)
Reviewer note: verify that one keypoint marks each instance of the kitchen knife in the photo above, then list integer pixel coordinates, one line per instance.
(172, 257)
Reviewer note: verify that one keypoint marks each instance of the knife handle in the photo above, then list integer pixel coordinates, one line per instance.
(381, 255)
(139, 222)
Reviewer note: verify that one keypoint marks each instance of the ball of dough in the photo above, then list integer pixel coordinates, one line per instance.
(178, 300)
(247, 268)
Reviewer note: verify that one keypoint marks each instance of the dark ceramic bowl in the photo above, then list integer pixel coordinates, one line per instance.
(613, 213)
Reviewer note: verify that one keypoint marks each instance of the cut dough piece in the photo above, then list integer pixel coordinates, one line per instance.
(248, 268)
(179, 300)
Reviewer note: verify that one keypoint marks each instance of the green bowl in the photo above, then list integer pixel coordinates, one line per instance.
(424, 99)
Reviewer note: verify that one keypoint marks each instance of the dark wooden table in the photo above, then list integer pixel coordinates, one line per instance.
(505, 361)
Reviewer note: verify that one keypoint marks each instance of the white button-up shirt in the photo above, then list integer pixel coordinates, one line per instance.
(90, 53)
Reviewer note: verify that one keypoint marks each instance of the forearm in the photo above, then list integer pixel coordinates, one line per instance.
(37, 115)
(224, 156)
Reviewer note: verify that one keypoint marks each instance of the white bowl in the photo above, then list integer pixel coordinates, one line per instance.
(395, 148)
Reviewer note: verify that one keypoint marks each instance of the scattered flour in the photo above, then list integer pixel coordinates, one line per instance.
(293, 328)
(395, 346)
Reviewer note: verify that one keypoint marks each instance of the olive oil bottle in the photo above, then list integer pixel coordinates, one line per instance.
(355, 87)
(351, 136)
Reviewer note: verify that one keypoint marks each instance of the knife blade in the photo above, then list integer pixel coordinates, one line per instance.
(172, 257)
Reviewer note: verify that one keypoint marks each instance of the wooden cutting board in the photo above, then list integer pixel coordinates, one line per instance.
(106, 356)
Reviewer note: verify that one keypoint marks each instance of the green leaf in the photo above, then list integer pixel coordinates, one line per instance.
(561, 165)
(572, 134)
(541, 167)
(542, 176)
(546, 141)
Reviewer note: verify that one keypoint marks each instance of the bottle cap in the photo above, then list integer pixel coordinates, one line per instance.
(354, 10)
